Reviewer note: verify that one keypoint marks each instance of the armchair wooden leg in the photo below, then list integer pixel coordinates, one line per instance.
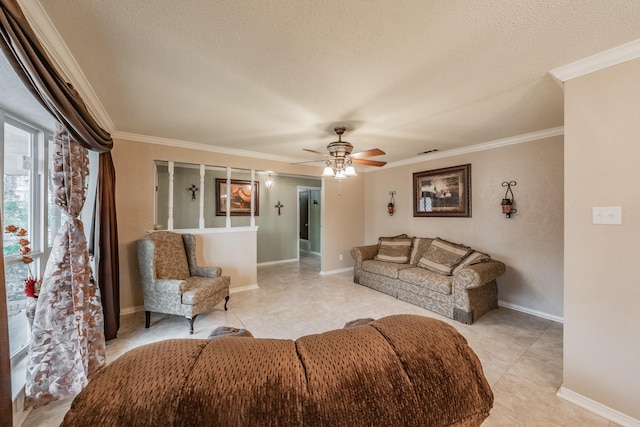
(226, 300)
(147, 319)
(191, 323)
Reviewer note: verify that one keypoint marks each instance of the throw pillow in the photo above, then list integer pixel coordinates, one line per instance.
(394, 249)
(443, 256)
(358, 322)
(228, 331)
(399, 236)
(475, 257)
(420, 245)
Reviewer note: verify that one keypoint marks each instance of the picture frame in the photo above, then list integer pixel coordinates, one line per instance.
(443, 192)
(240, 197)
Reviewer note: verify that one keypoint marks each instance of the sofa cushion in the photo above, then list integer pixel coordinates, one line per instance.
(443, 256)
(387, 269)
(197, 289)
(420, 245)
(428, 279)
(475, 257)
(394, 249)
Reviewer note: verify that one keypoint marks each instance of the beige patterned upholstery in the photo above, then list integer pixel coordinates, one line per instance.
(172, 282)
(455, 281)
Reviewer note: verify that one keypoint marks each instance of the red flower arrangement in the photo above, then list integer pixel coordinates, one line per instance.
(31, 284)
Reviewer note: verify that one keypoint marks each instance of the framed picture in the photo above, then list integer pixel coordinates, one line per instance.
(443, 192)
(240, 194)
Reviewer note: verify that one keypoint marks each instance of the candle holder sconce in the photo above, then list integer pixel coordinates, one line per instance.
(391, 208)
(507, 203)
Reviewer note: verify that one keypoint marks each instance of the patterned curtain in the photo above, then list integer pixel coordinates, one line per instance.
(67, 342)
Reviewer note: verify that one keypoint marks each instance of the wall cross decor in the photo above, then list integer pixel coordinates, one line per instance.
(279, 206)
(193, 190)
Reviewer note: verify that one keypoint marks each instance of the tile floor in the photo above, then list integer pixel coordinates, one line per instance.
(521, 354)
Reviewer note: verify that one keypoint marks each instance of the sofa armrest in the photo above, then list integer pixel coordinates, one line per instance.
(359, 254)
(476, 275)
(206, 271)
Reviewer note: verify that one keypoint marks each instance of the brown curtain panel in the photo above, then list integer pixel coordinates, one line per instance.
(31, 63)
(108, 266)
(6, 404)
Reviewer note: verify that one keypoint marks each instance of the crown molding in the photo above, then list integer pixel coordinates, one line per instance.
(518, 139)
(599, 61)
(202, 147)
(64, 60)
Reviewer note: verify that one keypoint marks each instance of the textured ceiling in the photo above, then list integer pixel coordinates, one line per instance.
(274, 77)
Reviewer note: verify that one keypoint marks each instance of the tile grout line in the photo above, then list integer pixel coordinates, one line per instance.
(524, 352)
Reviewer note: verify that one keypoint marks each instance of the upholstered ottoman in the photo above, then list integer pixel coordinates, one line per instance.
(396, 371)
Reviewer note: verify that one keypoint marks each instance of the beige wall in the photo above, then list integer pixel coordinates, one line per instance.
(135, 170)
(224, 248)
(342, 221)
(602, 149)
(530, 243)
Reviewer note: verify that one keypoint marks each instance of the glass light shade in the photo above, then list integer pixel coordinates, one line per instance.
(269, 182)
(340, 175)
(328, 171)
(350, 171)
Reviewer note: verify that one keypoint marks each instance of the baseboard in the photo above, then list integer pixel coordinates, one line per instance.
(282, 261)
(342, 270)
(131, 310)
(537, 313)
(243, 288)
(19, 413)
(597, 408)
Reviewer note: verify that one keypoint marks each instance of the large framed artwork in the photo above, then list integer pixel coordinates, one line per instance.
(442, 192)
(240, 194)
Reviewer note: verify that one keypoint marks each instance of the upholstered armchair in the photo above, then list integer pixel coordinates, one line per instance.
(172, 282)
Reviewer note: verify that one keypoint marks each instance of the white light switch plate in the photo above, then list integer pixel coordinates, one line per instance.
(607, 215)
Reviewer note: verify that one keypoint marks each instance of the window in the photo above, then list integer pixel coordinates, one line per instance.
(26, 151)
(24, 205)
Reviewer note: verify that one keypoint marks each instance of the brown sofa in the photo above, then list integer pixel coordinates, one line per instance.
(402, 370)
(460, 286)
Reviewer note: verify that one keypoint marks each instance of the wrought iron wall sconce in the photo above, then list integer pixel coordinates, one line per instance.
(507, 203)
(391, 208)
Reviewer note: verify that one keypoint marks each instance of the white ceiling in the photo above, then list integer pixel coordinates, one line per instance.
(274, 77)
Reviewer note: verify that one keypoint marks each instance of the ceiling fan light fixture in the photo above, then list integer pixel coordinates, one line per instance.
(328, 171)
(341, 164)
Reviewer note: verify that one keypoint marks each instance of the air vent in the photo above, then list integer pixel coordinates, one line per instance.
(428, 152)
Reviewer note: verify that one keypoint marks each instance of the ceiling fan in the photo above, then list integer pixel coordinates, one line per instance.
(343, 158)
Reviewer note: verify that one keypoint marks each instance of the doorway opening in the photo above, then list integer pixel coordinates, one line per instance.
(309, 211)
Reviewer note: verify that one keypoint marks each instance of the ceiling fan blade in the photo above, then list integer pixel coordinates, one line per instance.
(369, 162)
(367, 153)
(316, 152)
(307, 161)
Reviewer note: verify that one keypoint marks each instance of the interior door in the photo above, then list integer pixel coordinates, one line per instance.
(304, 214)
